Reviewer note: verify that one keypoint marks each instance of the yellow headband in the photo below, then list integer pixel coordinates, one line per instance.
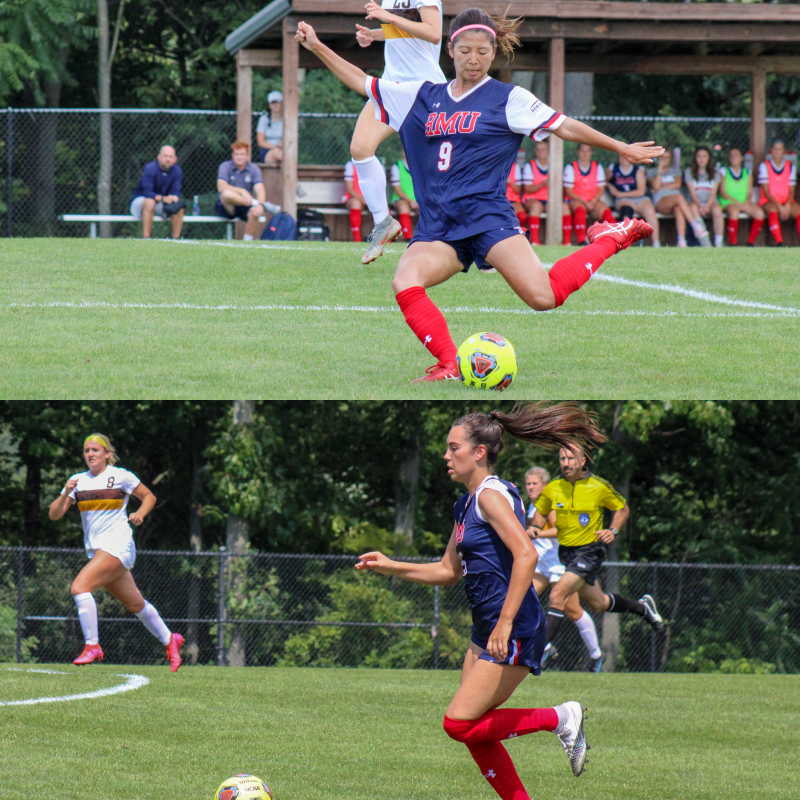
(97, 439)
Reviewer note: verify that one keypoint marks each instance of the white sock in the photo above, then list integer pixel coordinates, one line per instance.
(87, 614)
(248, 237)
(681, 241)
(372, 180)
(656, 243)
(589, 635)
(699, 228)
(717, 240)
(153, 622)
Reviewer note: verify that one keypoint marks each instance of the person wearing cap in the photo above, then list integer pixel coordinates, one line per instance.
(777, 177)
(269, 131)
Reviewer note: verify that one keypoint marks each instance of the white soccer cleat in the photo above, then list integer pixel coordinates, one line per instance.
(271, 207)
(651, 612)
(571, 734)
(383, 233)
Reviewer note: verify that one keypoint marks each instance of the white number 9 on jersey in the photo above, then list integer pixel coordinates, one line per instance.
(445, 151)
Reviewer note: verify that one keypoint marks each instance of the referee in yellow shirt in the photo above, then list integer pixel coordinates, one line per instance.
(578, 499)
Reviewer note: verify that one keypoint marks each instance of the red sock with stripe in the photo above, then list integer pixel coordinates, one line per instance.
(566, 224)
(569, 274)
(355, 223)
(733, 230)
(580, 223)
(405, 224)
(608, 216)
(428, 323)
(755, 228)
(775, 226)
(533, 227)
(523, 218)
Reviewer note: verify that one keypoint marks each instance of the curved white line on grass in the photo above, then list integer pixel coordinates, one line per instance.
(133, 682)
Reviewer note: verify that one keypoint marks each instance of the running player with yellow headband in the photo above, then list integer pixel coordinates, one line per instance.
(102, 494)
(578, 500)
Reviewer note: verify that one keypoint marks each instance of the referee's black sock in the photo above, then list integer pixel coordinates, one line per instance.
(620, 605)
(555, 616)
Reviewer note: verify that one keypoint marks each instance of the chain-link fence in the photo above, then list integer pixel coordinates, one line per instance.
(307, 610)
(51, 157)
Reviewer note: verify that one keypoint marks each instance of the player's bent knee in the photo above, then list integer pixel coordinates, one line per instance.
(458, 729)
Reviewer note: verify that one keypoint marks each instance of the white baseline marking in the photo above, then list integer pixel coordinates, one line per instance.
(47, 671)
(133, 682)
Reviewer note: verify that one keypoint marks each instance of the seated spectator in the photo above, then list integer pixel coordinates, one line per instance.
(403, 199)
(778, 179)
(736, 195)
(514, 193)
(353, 199)
(665, 182)
(237, 181)
(584, 184)
(269, 131)
(627, 185)
(702, 182)
(534, 188)
(158, 192)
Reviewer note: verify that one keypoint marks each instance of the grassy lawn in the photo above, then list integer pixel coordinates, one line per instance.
(375, 735)
(309, 321)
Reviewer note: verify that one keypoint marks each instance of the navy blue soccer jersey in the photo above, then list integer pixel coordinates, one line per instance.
(486, 565)
(624, 182)
(461, 149)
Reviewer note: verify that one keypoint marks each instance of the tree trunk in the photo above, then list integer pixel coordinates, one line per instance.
(406, 486)
(196, 544)
(33, 490)
(237, 536)
(104, 101)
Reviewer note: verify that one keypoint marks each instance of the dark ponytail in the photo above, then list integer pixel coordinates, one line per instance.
(567, 425)
(506, 38)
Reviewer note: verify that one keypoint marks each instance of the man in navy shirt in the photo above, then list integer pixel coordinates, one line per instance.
(160, 183)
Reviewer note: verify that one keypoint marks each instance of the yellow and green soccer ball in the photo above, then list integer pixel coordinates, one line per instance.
(487, 361)
(243, 787)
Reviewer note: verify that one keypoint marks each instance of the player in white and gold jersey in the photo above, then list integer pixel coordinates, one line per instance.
(412, 34)
(102, 494)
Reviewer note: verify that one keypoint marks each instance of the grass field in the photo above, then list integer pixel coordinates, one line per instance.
(376, 735)
(129, 318)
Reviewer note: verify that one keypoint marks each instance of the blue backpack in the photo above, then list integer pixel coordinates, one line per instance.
(281, 227)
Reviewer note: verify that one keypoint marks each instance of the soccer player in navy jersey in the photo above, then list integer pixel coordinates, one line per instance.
(464, 137)
(490, 549)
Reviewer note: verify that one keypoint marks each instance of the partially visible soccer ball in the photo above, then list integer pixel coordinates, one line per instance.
(487, 361)
(243, 787)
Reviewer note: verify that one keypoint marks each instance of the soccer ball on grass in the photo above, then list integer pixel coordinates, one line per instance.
(243, 787)
(487, 361)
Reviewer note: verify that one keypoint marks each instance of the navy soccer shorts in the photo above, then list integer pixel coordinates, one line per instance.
(239, 212)
(473, 249)
(524, 652)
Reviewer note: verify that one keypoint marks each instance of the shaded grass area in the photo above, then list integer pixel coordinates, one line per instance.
(609, 340)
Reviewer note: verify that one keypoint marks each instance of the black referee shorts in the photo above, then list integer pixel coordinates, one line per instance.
(584, 560)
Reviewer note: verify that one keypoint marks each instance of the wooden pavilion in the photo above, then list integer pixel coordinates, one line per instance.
(599, 36)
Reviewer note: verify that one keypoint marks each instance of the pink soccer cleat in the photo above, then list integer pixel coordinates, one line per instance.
(90, 654)
(624, 233)
(174, 651)
(441, 372)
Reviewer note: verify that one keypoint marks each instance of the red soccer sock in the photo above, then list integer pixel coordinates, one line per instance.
(775, 226)
(755, 228)
(566, 224)
(523, 218)
(405, 224)
(497, 767)
(500, 724)
(569, 274)
(608, 216)
(355, 223)
(580, 223)
(733, 230)
(427, 322)
(533, 227)
(797, 222)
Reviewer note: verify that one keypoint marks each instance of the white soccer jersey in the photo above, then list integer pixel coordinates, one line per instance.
(763, 175)
(569, 175)
(547, 550)
(102, 501)
(349, 170)
(408, 58)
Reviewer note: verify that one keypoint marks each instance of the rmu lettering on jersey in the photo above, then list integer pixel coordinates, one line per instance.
(439, 124)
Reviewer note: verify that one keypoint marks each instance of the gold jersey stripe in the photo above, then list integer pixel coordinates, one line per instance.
(100, 505)
(393, 32)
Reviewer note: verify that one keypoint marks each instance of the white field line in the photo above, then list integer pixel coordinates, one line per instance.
(132, 682)
(779, 313)
(46, 671)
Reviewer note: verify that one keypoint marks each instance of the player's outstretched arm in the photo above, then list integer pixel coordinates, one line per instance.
(61, 504)
(571, 130)
(351, 76)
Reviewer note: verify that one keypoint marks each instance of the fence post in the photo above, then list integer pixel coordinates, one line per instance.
(223, 560)
(10, 177)
(652, 632)
(20, 598)
(436, 593)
